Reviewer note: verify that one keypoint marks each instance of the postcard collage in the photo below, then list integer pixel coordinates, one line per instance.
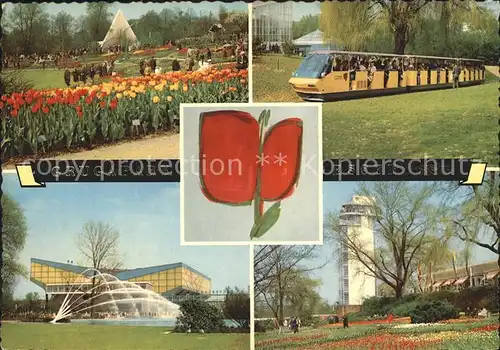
(250, 175)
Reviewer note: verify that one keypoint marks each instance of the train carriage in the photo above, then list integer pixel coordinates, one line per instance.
(328, 75)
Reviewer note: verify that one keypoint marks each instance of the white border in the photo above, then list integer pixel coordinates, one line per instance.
(238, 106)
(252, 297)
(250, 53)
(9, 171)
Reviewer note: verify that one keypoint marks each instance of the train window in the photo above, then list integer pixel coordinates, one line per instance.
(314, 65)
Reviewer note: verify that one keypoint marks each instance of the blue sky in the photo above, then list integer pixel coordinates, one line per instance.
(137, 9)
(301, 9)
(335, 194)
(145, 214)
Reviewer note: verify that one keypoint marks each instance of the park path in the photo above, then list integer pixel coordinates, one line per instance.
(493, 70)
(159, 147)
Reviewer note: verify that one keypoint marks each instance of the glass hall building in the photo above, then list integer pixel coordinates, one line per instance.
(272, 22)
(173, 281)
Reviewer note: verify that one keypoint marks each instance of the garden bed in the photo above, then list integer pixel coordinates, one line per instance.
(40, 121)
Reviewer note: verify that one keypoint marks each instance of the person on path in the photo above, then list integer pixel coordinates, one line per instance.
(67, 77)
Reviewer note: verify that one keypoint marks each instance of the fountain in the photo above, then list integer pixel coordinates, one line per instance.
(123, 298)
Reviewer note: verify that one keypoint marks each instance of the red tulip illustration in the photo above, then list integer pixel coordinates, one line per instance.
(248, 165)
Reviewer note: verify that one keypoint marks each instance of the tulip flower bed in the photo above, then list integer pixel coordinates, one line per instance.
(39, 121)
(476, 335)
(372, 322)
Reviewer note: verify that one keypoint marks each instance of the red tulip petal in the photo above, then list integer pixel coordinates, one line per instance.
(283, 149)
(229, 144)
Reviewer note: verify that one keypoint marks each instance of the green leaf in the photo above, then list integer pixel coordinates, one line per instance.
(262, 116)
(268, 116)
(266, 221)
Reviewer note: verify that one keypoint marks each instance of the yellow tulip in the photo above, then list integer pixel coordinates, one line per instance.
(185, 88)
(156, 99)
(119, 95)
(170, 98)
(133, 94)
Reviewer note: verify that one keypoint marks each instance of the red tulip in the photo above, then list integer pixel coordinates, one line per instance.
(240, 164)
(279, 177)
(228, 136)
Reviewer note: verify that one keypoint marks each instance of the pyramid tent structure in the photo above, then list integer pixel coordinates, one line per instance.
(314, 38)
(314, 41)
(119, 33)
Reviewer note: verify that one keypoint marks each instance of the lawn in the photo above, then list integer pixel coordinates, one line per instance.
(24, 336)
(50, 78)
(439, 124)
(465, 334)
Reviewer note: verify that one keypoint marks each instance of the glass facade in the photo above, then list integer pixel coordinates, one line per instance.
(182, 277)
(272, 22)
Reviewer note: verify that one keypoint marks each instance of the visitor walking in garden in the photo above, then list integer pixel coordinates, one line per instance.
(346, 322)
(67, 77)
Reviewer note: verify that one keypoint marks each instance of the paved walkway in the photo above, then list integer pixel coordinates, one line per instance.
(161, 147)
(493, 70)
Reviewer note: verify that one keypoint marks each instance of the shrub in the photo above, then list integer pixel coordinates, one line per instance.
(307, 319)
(288, 48)
(317, 322)
(433, 311)
(377, 305)
(477, 298)
(356, 316)
(404, 309)
(441, 295)
(237, 307)
(13, 81)
(199, 315)
(263, 326)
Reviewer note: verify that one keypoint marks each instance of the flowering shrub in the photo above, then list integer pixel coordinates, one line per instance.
(47, 120)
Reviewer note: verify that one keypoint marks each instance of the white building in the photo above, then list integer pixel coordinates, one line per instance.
(356, 219)
(272, 21)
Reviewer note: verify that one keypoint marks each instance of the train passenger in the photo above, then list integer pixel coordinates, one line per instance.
(456, 75)
(371, 73)
(387, 70)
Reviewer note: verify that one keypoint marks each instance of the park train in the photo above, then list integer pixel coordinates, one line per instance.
(318, 78)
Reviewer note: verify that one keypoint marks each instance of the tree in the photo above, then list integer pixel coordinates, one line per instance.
(223, 14)
(477, 220)
(275, 269)
(33, 299)
(62, 29)
(237, 22)
(98, 245)
(307, 24)
(302, 296)
(25, 22)
(436, 255)
(97, 20)
(342, 22)
(237, 307)
(405, 224)
(14, 233)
